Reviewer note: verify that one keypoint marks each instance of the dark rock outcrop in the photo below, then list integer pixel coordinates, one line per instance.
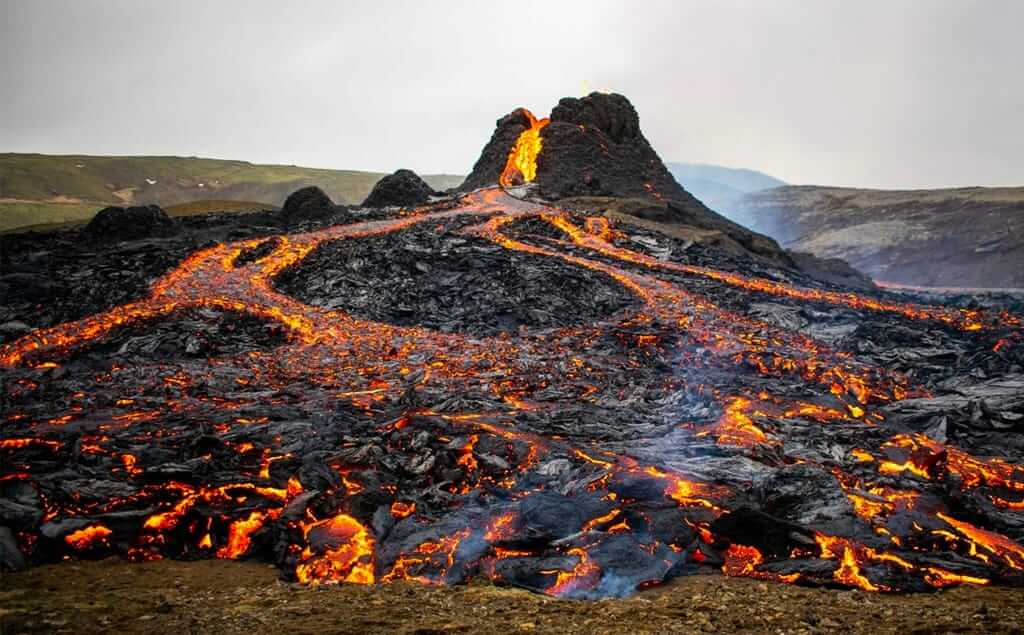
(309, 203)
(594, 147)
(115, 224)
(11, 558)
(491, 295)
(404, 188)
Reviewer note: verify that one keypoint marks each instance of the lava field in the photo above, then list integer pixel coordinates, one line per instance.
(491, 385)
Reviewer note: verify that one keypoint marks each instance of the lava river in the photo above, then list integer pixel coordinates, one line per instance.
(366, 452)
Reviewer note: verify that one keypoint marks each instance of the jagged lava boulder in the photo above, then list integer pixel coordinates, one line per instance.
(404, 188)
(129, 223)
(308, 203)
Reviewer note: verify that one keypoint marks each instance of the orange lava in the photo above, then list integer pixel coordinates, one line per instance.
(402, 509)
(998, 545)
(239, 535)
(584, 575)
(88, 537)
(743, 560)
(521, 166)
(849, 556)
(348, 559)
(366, 362)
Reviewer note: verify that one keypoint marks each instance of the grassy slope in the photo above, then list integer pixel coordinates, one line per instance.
(214, 205)
(41, 189)
(16, 215)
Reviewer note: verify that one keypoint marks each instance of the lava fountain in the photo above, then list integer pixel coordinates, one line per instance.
(521, 166)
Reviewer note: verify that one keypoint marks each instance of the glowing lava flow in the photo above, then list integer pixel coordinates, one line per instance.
(965, 319)
(367, 364)
(521, 165)
(344, 554)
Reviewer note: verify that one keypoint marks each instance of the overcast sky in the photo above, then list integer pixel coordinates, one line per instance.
(876, 94)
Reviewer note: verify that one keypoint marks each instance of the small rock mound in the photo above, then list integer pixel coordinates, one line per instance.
(404, 188)
(307, 204)
(129, 223)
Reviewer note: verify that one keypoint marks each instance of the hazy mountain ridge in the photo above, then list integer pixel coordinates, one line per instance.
(37, 188)
(963, 237)
(719, 187)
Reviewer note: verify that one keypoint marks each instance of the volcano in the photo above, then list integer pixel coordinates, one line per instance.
(593, 147)
(568, 376)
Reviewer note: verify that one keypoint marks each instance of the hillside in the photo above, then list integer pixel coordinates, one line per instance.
(720, 187)
(38, 189)
(967, 237)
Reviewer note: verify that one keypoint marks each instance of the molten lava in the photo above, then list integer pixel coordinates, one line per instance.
(88, 537)
(344, 552)
(471, 463)
(521, 165)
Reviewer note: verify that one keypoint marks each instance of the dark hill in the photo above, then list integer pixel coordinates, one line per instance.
(594, 147)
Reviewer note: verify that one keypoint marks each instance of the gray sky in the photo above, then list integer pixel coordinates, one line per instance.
(875, 94)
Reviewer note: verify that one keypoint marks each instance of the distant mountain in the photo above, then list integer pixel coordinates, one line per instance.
(964, 237)
(40, 189)
(719, 187)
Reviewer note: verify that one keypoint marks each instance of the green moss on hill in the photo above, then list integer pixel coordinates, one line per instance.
(42, 189)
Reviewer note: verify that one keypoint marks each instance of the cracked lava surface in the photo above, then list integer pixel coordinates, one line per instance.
(436, 457)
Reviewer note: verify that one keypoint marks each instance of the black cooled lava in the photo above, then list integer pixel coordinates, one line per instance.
(434, 277)
(493, 386)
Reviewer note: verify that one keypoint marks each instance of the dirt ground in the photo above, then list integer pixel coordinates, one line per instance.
(231, 597)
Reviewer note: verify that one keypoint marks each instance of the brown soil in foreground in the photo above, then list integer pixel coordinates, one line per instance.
(230, 597)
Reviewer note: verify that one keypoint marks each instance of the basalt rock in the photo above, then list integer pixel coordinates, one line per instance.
(112, 224)
(11, 558)
(594, 146)
(451, 284)
(404, 188)
(309, 203)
